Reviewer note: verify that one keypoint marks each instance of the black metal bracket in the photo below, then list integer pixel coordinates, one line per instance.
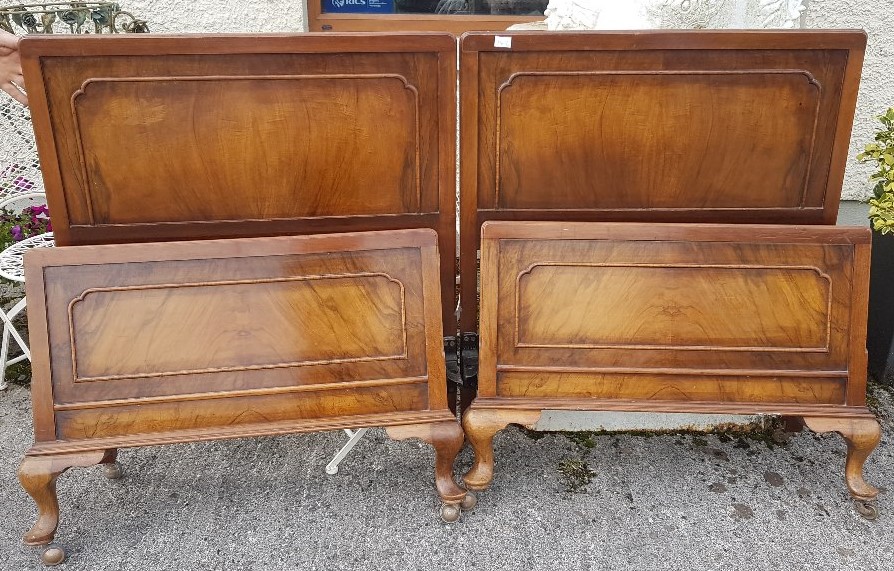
(451, 358)
(468, 359)
(461, 355)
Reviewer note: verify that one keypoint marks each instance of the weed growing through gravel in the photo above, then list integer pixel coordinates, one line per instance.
(875, 391)
(576, 475)
(583, 439)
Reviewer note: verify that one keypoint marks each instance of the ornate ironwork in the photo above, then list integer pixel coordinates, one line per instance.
(70, 17)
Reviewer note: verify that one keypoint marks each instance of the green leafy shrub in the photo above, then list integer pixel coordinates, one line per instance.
(881, 153)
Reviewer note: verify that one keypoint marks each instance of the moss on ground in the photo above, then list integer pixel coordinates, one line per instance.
(575, 474)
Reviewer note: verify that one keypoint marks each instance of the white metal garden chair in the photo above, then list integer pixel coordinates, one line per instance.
(354, 437)
(12, 267)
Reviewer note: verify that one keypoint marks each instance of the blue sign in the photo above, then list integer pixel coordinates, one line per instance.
(358, 6)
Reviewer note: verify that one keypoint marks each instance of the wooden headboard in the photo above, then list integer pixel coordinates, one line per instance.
(153, 138)
(656, 126)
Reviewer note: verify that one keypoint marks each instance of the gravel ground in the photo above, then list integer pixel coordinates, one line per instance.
(584, 501)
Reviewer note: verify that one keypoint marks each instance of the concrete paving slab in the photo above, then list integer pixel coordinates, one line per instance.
(617, 501)
(563, 420)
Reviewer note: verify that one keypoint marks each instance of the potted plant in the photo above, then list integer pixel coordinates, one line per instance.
(880, 334)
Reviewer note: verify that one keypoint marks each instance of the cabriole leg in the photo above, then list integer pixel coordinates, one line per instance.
(447, 439)
(38, 475)
(862, 435)
(481, 425)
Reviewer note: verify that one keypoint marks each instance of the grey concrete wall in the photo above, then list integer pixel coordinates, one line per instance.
(853, 213)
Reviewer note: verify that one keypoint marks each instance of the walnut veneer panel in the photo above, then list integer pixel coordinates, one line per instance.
(234, 325)
(298, 145)
(732, 127)
(628, 304)
(214, 335)
(635, 140)
(677, 313)
(194, 137)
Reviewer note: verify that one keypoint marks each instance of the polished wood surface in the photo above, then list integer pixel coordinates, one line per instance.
(741, 319)
(143, 344)
(180, 138)
(727, 127)
(705, 314)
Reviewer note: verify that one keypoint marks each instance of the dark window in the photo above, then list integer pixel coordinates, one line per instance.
(448, 15)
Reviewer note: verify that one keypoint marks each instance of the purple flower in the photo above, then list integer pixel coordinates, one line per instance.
(32, 221)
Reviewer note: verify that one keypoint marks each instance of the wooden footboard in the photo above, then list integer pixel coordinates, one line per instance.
(671, 317)
(145, 344)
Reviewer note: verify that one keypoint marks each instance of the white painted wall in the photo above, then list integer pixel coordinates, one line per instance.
(877, 84)
(210, 16)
